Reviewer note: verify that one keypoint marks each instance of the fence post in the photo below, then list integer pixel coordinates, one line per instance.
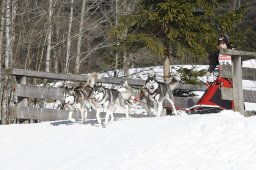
(22, 101)
(237, 84)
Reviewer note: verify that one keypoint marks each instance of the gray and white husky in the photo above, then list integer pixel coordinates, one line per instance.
(107, 100)
(77, 99)
(158, 91)
(129, 94)
(133, 98)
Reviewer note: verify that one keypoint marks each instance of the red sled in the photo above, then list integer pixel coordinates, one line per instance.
(211, 101)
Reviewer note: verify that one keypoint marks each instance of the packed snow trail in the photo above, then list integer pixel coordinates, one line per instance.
(195, 142)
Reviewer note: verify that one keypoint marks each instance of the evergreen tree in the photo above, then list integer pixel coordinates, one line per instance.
(161, 24)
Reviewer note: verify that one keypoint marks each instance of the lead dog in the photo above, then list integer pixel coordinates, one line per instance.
(158, 91)
(77, 99)
(107, 100)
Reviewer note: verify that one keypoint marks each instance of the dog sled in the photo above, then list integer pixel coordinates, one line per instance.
(211, 101)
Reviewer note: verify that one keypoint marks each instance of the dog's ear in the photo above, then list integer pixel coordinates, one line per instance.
(152, 75)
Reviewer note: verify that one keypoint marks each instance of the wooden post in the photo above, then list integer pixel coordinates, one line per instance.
(237, 84)
(22, 101)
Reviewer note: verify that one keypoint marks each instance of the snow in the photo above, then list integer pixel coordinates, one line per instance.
(197, 142)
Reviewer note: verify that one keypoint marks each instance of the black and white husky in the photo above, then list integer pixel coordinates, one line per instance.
(158, 91)
(107, 100)
(77, 99)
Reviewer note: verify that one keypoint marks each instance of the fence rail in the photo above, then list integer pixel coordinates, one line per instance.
(24, 91)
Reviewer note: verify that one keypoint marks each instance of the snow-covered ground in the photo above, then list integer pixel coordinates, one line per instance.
(225, 141)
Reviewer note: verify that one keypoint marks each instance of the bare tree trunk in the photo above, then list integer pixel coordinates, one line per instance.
(12, 29)
(166, 68)
(1, 69)
(234, 4)
(2, 32)
(49, 39)
(28, 50)
(126, 54)
(116, 23)
(79, 41)
(69, 38)
(125, 60)
(41, 56)
(167, 63)
(8, 52)
(8, 56)
(56, 55)
(126, 64)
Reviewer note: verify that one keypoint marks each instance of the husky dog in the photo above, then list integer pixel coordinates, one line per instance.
(108, 100)
(158, 91)
(133, 98)
(129, 95)
(77, 99)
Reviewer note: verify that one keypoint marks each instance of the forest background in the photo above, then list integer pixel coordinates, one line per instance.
(81, 36)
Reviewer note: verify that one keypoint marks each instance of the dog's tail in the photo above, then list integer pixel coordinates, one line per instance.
(93, 78)
(173, 82)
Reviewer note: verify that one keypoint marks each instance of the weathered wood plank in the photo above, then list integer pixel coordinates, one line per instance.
(249, 96)
(45, 75)
(39, 92)
(237, 86)
(227, 93)
(43, 114)
(249, 113)
(247, 73)
(83, 78)
(117, 80)
(237, 52)
(57, 93)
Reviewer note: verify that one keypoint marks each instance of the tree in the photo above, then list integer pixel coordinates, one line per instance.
(69, 38)
(8, 51)
(79, 41)
(49, 39)
(160, 24)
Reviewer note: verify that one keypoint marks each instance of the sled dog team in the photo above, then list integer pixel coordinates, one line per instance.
(91, 96)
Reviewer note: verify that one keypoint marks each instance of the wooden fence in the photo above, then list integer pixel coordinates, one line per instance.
(24, 91)
(237, 74)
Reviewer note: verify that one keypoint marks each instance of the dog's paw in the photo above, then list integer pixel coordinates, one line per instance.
(98, 125)
(104, 125)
